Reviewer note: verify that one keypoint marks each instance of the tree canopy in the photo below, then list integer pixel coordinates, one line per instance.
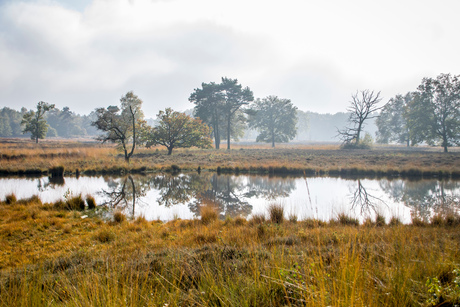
(35, 123)
(220, 105)
(438, 102)
(392, 123)
(178, 130)
(124, 125)
(275, 119)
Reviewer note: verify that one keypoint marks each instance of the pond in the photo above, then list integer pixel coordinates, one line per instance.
(167, 196)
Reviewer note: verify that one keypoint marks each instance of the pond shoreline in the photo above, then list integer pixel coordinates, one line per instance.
(270, 171)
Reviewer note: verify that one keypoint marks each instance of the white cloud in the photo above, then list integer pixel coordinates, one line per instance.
(314, 52)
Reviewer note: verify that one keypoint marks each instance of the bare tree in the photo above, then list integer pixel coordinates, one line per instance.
(363, 106)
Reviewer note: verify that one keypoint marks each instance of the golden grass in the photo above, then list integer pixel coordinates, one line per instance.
(53, 257)
(78, 157)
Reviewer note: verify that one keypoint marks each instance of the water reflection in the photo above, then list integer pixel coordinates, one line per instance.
(365, 201)
(425, 197)
(51, 183)
(125, 193)
(179, 189)
(229, 194)
(166, 195)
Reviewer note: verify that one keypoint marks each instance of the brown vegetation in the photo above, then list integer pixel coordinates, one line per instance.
(56, 257)
(25, 157)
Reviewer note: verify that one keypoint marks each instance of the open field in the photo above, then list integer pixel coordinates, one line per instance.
(21, 156)
(55, 257)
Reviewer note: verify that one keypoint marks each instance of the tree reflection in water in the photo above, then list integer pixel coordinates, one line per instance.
(425, 197)
(363, 200)
(229, 194)
(126, 192)
(179, 189)
(52, 183)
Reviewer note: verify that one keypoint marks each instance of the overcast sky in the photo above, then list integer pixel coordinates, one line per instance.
(88, 53)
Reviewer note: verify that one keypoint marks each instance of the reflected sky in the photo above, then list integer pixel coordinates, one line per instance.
(168, 196)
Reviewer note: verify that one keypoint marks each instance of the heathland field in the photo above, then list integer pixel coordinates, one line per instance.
(22, 157)
(66, 254)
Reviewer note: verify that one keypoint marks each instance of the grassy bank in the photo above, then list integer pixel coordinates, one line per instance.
(53, 256)
(21, 158)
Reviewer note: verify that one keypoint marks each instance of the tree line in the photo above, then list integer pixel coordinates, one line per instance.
(221, 112)
(430, 115)
(63, 123)
(226, 110)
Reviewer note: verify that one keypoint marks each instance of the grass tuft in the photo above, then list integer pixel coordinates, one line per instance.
(257, 218)
(119, 217)
(104, 235)
(418, 222)
(91, 202)
(75, 203)
(293, 217)
(208, 214)
(11, 199)
(380, 220)
(395, 221)
(276, 213)
(347, 220)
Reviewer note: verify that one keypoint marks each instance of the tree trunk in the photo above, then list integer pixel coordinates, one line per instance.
(170, 149)
(273, 138)
(125, 151)
(358, 132)
(228, 132)
(216, 134)
(134, 133)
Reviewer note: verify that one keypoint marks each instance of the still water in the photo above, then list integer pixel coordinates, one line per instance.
(170, 196)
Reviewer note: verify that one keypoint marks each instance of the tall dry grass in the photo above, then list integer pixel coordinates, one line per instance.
(54, 257)
(286, 159)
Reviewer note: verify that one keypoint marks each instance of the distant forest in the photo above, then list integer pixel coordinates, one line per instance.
(311, 127)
